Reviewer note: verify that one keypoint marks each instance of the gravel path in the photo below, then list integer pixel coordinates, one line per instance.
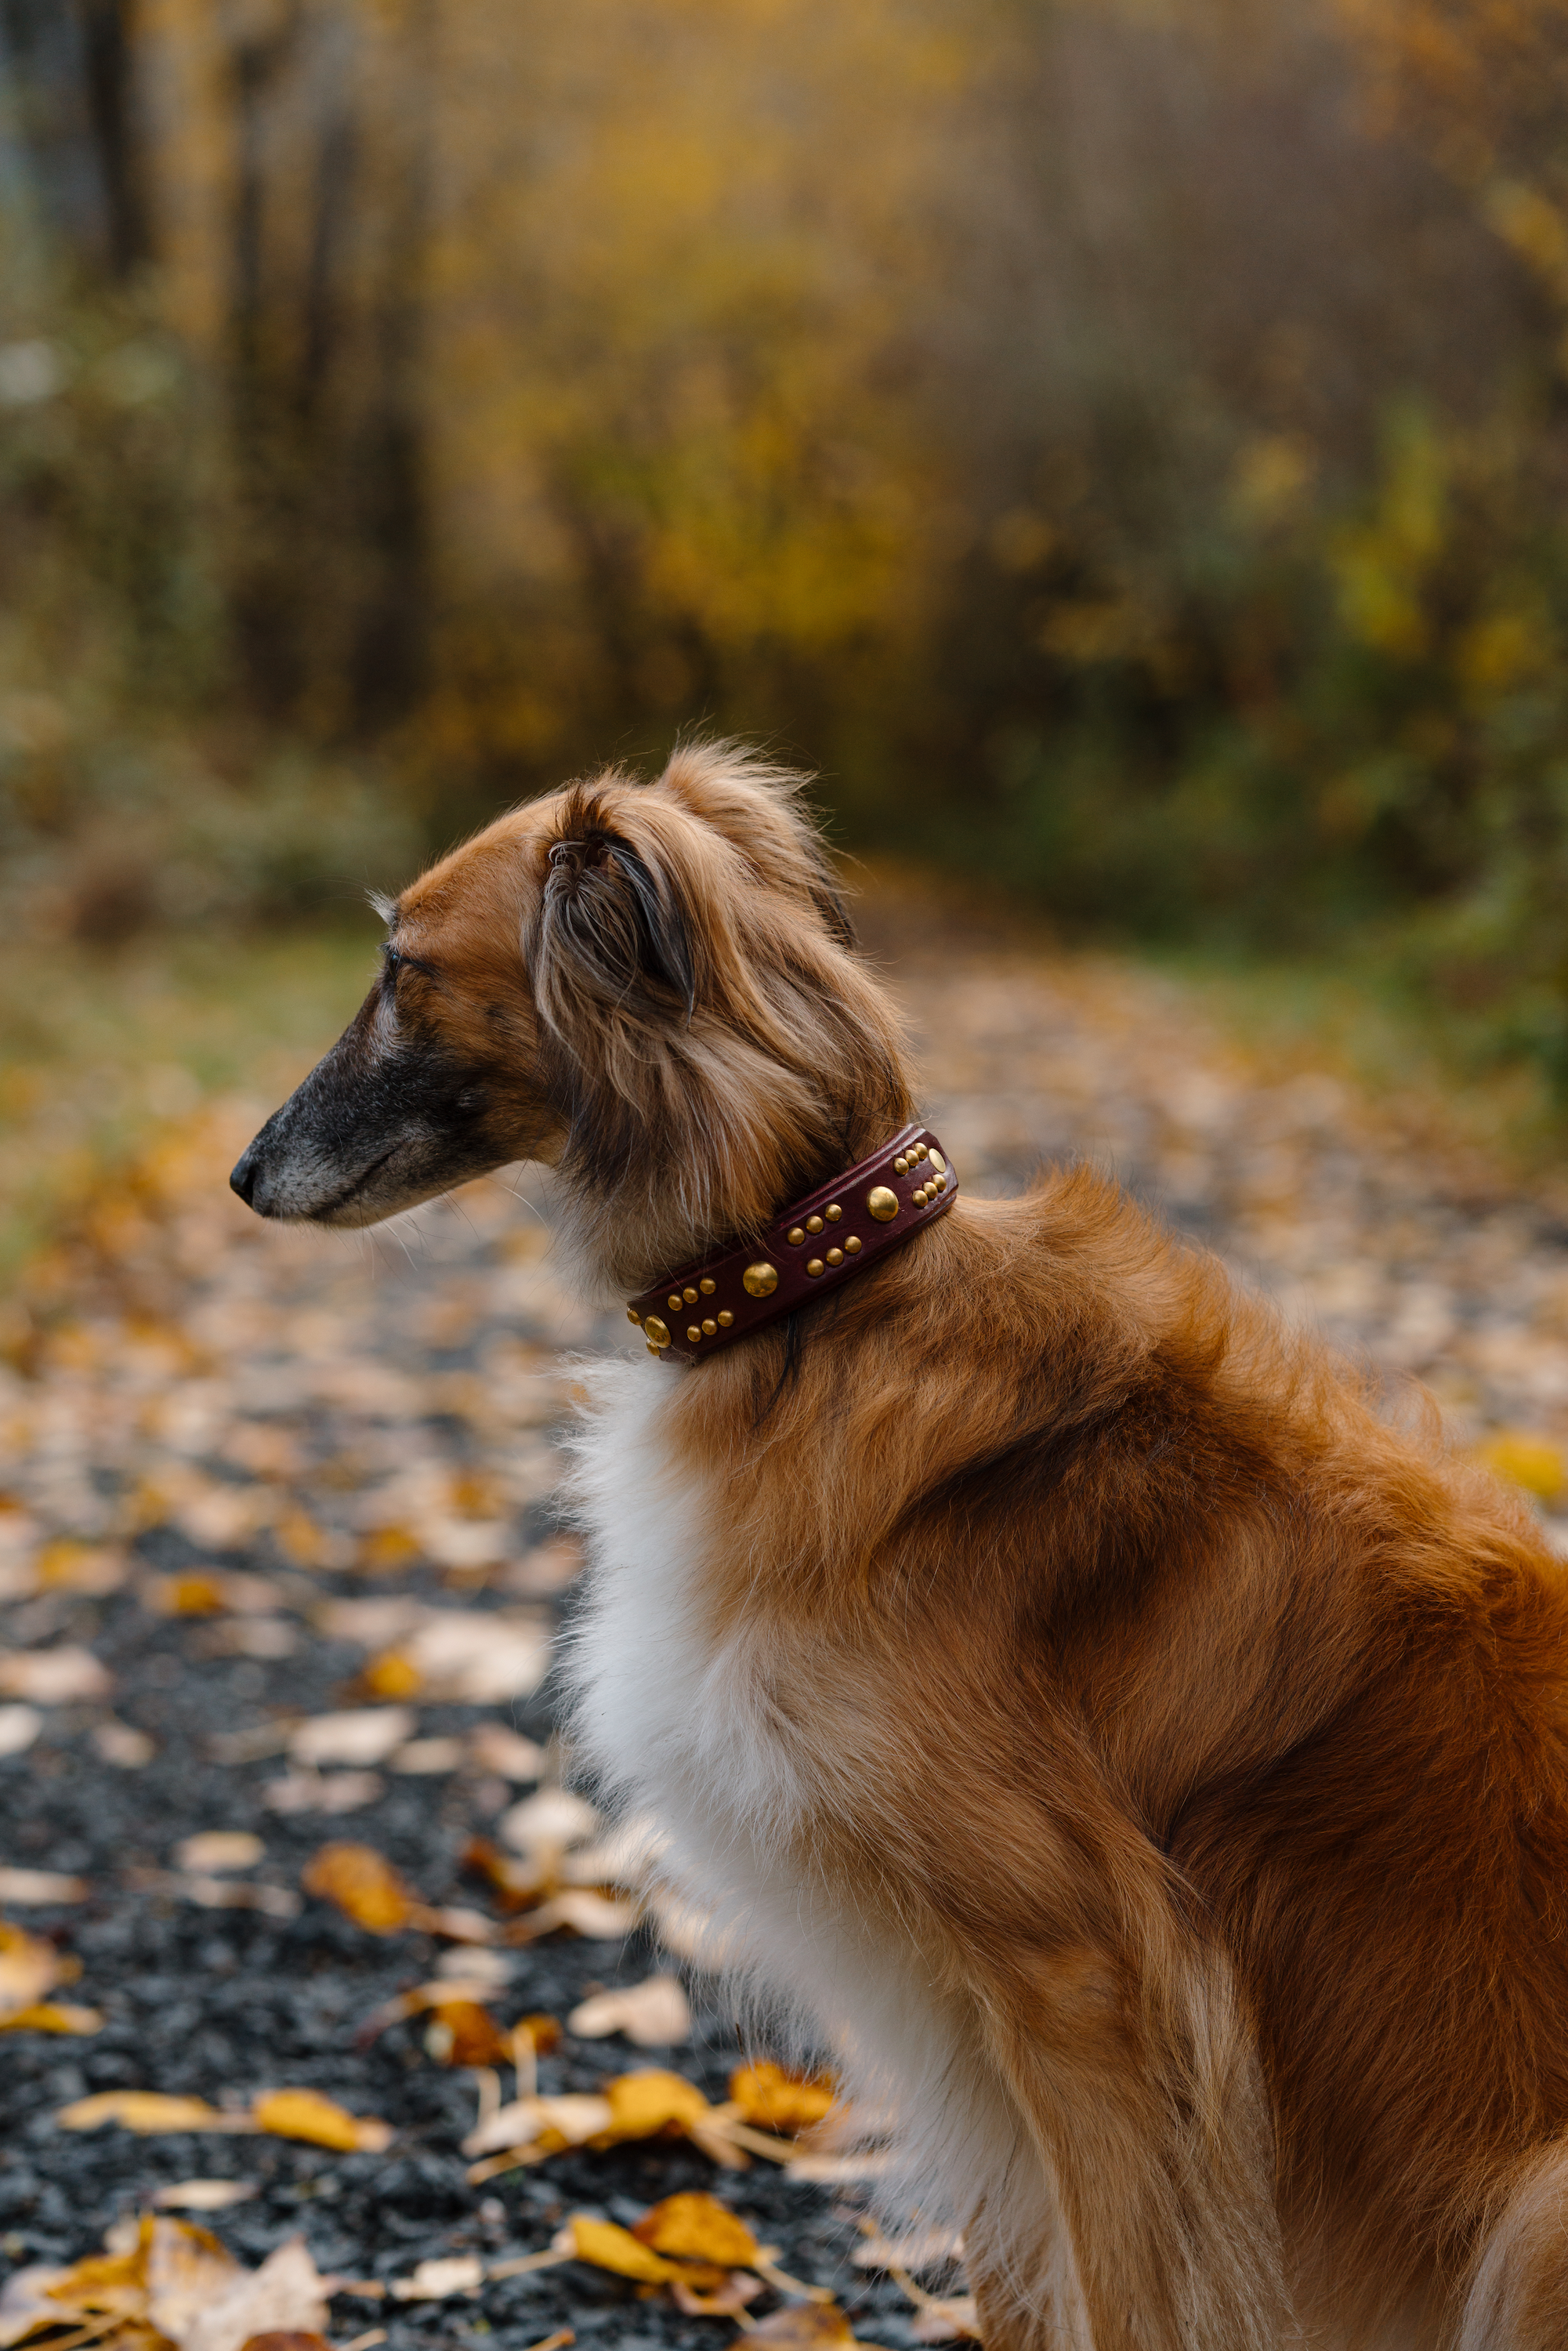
(253, 1478)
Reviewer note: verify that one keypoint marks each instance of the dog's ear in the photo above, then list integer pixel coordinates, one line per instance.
(612, 928)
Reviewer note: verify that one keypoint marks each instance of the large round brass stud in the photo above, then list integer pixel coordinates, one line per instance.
(656, 1331)
(814, 1266)
(797, 1234)
(674, 1302)
(813, 1224)
(710, 1327)
(835, 1256)
(883, 1204)
(938, 1163)
(852, 1243)
(760, 1280)
(633, 1315)
(834, 1213)
(725, 1319)
(693, 1333)
(707, 1285)
(689, 1294)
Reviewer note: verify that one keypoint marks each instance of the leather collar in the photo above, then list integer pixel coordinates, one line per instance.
(817, 1245)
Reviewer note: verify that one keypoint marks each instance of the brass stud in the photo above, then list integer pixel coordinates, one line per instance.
(656, 1331)
(834, 1213)
(796, 1235)
(938, 1163)
(920, 1197)
(852, 1243)
(707, 1285)
(693, 1333)
(633, 1315)
(813, 1224)
(922, 1150)
(901, 1166)
(675, 1301)
(814, 1266)
(760, 1280)
(835, 1256)
(941, 1182)
(709, 1326)
(689, 1294)
(651, 1349)
(725, 1319)
(883, 1204)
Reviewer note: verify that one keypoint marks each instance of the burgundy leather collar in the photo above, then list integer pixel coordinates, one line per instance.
(812, 1247)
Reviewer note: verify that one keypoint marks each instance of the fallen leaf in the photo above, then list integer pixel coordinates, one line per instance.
(465, 2033)
(694, 2227)
(322, 1791)
(360, 1736)
(32, 1888)
(362, 1883)
(806, 2326)
(53, 2016)
(203, 2195)
(291, 2339)
(654, 2014)
(492, 1747)
(837, 2171)
(549, 1823)
(19, 1726)
(212, 1851)
(947, 2322)
(515, 1882)
(459, 1926)
(607, 2247)
(119, 1743)
(29, 1967)
(727, 2301)
(59, 1677)
(433, 2280)
(771, 2099)
(571, 2120)
(93, 1568)
(430, 1755)
(306, 2115)
(286, 2294)
(186, 2269)
(650, 2101)
(392, 1676)
(594, 1915)
(148, 2112)
(237, 1894)
(929, 2249)
(25, 2306)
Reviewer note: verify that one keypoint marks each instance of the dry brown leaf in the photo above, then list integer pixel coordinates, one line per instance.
(362, 1883)
(546, 2123)
(727, 2300)
(463, 2033)
(34, 1888)
(927, 2249)
(549, 1823)
(96, 1568)
(654, 2014)
(25, 2304)
(514, 1883)
(19, 1726)
(322, 1791)
(947, 2322)
(203, 2195)
(650, 2101)
(773, 2100)
(429, 1755)
(53, 2016)
(286, 2294)
(806, 2326)
(694, 2227)
(291, 2339)
(148, 2112)
(320, 2122)
(212, 1851)
(592, 1915)
(492, 1747)
(186, 2269)
(119, 1743)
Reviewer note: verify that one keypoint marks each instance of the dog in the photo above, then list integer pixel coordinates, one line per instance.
(1143, 1768)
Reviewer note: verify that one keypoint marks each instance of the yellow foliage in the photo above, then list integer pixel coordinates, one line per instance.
(694, 2227)
(611, 2248)
(1533, 1462)
(773, 2100)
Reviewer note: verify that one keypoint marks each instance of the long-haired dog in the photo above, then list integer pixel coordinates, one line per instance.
(1144, 1770)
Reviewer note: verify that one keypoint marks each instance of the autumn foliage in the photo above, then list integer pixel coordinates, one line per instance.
(1123, 447)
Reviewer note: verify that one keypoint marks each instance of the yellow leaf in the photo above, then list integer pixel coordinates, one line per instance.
(146, 2111)
(186, 2269)
(362, 1883)
(53, 2016)
(771, 2099)
(643, 2104)
(392, 1676)
(695, 2227)
(809, 2326)
(306, 2115)
(610, 2247)
(28, 1968)
(1525, 1460)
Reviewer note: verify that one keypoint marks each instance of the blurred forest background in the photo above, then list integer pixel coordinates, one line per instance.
(1121, 444)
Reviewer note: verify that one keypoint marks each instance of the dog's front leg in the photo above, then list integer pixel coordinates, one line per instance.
(1137, 2077)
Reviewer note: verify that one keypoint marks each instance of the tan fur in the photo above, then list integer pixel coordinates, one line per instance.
(1207, 1738)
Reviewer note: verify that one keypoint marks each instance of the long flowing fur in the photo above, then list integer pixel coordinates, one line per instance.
(1146, 1768)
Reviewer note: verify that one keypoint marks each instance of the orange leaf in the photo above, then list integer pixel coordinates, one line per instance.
(147, 2111)
(306, 2115)
(806, 2326)
(392, 1676)
(29, 1967)
(53, 2016)
(610, 2247)
(771, 2099)
(472, 2034)
(643, 2104)
(363, 1883)
(698, 2228)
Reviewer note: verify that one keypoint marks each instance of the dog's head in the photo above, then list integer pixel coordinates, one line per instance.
(651, 985)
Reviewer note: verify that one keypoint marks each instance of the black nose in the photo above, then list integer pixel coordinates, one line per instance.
(243, 1179)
